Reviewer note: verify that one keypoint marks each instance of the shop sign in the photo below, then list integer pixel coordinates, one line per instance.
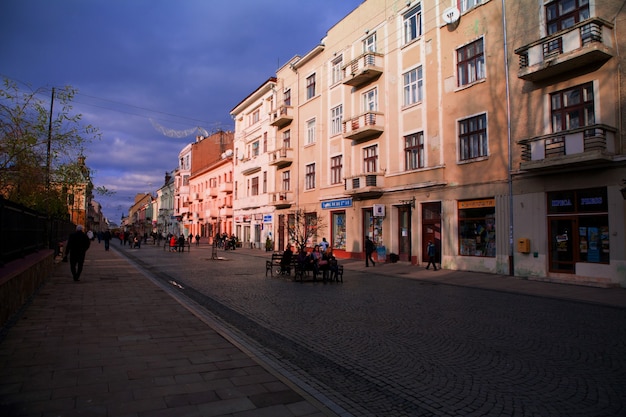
(340, 203)
(470, 204)
(267, 218)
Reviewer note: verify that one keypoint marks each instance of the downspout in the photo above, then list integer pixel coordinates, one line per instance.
(508, 134)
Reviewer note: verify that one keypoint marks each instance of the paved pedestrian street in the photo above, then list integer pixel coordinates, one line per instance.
(389, 341)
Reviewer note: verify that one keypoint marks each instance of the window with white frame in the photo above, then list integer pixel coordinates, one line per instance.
(465, 5)
(264, 182)
(255, 148)
(412, 24)
(254, 118)
(336, 169)
(414, 151)
(310, 132)
(470, 63)
(336, 119)
(413, 86)
(310, 86)
(369, 44)
(336, 71)
(370, 159)
(473, 141)
(370, 100)
(309, 177)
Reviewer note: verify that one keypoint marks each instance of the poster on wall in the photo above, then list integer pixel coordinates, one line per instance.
(593, 250)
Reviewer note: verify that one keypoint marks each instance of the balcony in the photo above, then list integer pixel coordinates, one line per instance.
(226, 187)
(281, 158)
(210, 193)
(586, 43)
(575, 148)
(282, 116)
(364, 69)
(250, 166)
(365, 186)
(281, 199)
(367, 126)
(197, 197)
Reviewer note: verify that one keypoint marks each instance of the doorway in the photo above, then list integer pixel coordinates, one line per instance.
(431, 229)
(562, 243)
(404, 232)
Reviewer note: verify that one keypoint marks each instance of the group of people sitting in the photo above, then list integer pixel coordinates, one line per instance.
(319, 260)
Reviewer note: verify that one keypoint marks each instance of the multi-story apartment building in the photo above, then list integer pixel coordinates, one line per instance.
(490, 127)
(210, 185)
(569, 147)
(254, 190)
(164, 209)
(182, 198)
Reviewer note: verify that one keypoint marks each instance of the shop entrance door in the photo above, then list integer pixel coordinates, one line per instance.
(404, 232)
(431, 229)
(563, 235)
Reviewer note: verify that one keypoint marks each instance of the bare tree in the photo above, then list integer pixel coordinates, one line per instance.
(304, 228)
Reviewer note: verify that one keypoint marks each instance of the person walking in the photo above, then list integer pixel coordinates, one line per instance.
(77, 245)
(369, 249)
(197, 240)
(432, 255)
(106, 236)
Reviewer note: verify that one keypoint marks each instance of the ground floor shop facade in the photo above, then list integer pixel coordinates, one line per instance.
(534, 229)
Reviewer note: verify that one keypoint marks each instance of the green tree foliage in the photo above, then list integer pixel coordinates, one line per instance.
(31, 141)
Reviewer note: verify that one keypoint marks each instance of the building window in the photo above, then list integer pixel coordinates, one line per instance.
(338, 235)
(255, 148)
(310, 132)
(572, 108)
(310, 86)
(369, 44)
(336, 119)
(309, 177)
(336, 169)
(470, 63)
(370, 159)
(287, 139)
(287, 97)
(254, 187)
(563, 14)
(465, 5)
(473, 141)
(286, 180)
(255, 116)
(414, 151)
(413, 24)
(264, 182)
(413, 86)
(336, 70)
(370, 100)
(477, 227)
(264, 142)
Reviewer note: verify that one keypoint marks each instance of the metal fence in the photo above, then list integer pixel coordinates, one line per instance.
(24, 231)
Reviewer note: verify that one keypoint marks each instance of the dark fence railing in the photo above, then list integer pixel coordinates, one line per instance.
(24, 231)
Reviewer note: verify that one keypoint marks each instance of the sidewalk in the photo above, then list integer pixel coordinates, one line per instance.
(115, 344)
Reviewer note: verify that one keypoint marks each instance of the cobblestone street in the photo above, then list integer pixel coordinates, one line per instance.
(388, 345)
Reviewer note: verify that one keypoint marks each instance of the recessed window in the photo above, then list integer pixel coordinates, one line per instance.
(414, 151)
(309, 178)
(470, 63)
(370, 159)
(285, 180)
(310, 86)
(287, 139)
(473, 138)
(310, 132)
(572, 108)
(336, 70)
(465, 5)
(563, 14)
(413, 86)
(287, 97)
(336, 169)
(336, 119)
(254, 186)
(413, 24)
(369, 44)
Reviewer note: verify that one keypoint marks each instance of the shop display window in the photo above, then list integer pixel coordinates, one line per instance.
(477, 228)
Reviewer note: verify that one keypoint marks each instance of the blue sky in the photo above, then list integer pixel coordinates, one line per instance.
(179, 63)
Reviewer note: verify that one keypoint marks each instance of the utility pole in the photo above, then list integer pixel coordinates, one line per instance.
(49, 143)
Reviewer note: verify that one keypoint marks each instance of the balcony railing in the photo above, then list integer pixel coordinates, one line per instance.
(281, 157)
(226, 187)
(364, 127)
(364, 69)
(281, 199)
(282, 116)
(211, 193)
(250, 166)
(585, 145)
(365, 185)
(585, 43)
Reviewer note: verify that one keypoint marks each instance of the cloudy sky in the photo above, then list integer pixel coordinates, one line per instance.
(178, 64)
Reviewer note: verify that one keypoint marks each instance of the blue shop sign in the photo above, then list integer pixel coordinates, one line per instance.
(344, 202)
(267, 218)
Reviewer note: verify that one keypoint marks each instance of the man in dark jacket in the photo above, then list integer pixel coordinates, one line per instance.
(77, 245)
(369, 250)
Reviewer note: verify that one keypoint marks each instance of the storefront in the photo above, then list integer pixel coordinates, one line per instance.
(477, 227)
(338, 235)
(578, 228)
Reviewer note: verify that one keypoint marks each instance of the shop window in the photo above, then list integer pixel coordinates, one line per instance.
(477, 228)
(338, 238)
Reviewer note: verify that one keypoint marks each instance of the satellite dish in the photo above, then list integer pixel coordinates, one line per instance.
(451, 15)
(228, 153)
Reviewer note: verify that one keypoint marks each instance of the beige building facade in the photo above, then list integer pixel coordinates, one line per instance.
(457, 122)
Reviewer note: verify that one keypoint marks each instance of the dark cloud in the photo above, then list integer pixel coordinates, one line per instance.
(182, 64)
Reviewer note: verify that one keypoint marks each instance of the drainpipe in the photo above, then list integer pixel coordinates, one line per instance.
(508, 133)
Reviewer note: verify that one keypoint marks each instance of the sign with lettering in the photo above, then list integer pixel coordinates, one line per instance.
(341, 203)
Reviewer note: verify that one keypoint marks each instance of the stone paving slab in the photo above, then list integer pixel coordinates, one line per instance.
(115, 344)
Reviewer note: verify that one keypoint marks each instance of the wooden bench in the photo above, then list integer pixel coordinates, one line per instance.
(273, 266)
